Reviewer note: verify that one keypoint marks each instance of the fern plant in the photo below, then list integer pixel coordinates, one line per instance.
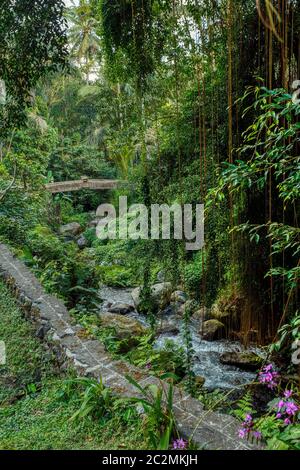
(244, 406)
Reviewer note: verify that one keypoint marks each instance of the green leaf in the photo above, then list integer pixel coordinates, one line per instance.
(277, 444)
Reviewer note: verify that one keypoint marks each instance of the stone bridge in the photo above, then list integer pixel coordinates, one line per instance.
(83, 183)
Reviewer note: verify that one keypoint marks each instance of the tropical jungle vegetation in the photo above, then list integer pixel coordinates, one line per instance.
(183, 101)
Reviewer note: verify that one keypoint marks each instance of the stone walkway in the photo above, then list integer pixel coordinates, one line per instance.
(214, 431)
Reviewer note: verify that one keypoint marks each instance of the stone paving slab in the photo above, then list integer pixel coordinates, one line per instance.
(210, 430)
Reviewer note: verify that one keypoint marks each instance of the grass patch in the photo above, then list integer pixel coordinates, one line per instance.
(33, 414)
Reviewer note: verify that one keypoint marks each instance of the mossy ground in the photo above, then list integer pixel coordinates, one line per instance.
(32, 413)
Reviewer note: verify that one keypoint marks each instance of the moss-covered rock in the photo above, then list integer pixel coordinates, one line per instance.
(199, 381)
(244, 360)
(124, 327)
(179, 296)
(202, 313)
(212, 330)
(73, 228)
(229, 310)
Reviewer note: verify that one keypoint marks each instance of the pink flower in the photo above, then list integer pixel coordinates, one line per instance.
(269, 376)
(247, 427)
(247, 432)
(286, 408)
(291, 408)
(280, 404)
(179, 444)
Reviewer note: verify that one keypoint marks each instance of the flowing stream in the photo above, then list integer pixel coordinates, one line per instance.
(207, 353)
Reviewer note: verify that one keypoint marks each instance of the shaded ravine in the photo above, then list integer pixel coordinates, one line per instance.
(207, 353)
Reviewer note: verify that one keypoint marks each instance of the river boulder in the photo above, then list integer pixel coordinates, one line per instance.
(120, 308)
(160, 295)
(178, 296)
(189, 306)
(82, 242)
(202, 313)
(212, 330)
(124, 327)
(167, 328)
(161, 277)
(72, 228)
(245, 360)
(228, 310)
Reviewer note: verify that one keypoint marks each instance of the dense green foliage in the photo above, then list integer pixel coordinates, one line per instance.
(37, 401)
(187, 102)
(35, 45)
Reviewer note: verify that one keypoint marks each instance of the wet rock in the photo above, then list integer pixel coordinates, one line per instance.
(176, 307)
(189, 304)
(93, 223)
(106, 305)
(160, 295)
(82, 242)
(180, 309)
(124, 327)
(70, 229)
(228, 310)
(164, 328)
(169, 310)
(161, 276)
(244, 360)
(212, 330)
(136, 296)
(120, 308)
(179, 296)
